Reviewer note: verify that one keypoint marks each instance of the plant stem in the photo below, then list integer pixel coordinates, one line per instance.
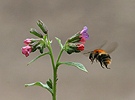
(54, 71)
(55, 67)
(57, 62)
(54, 83)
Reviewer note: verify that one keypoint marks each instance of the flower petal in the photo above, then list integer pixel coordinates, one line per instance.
(84, 33)
(80, 47)
(27, 41)
(26, 50)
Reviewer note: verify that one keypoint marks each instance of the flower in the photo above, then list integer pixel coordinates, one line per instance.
(80, 47)
(82, 40)
(77, 41)
(84, 33)
(26, 50)
(80, 36)
(27, 41)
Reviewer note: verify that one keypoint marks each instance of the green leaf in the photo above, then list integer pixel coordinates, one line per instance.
(34, 32)
(59, 41)
(42, 26)
(41, 85)
(49, 83)
(38, 57)
(75, 64)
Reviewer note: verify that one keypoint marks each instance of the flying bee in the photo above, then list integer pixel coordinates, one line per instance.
(100, 55)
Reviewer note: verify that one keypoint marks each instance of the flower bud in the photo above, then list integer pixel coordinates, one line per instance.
(34, 32)
(74, 47)
(28, 41)
(42, 26)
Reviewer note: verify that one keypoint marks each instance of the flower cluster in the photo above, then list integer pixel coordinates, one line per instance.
(32, 45)
(77, 41)
(26, 50)
(74, 44)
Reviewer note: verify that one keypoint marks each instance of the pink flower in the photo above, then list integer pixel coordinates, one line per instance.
(80, 47)
(26, 50)
(82, 40)
(27, 41)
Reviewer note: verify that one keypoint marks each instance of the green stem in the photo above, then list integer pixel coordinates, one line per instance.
(55, 67)
(57, 62)
(54, 71)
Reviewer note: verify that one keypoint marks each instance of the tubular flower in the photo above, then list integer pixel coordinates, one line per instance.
(77, 41)
(84, 33)
(81, 36)
(26, 50)
(27, 41)
(80, 47)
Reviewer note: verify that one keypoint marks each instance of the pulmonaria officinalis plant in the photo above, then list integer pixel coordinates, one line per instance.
(74, 44)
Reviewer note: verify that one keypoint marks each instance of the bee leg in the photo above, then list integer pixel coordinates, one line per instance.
(91, 61)
(101, 64)
(106, 66)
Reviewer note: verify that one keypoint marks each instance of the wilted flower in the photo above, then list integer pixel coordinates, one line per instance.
(26, 50)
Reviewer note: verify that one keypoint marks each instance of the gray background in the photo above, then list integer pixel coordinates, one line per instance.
(111, 20)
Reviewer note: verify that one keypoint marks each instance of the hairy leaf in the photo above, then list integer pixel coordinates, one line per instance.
(75, 64)
(41, 85)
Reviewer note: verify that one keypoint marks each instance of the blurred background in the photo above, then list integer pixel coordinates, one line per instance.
(111, 20)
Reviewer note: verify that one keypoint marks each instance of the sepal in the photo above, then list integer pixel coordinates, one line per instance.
(42, 26)
(34, 32)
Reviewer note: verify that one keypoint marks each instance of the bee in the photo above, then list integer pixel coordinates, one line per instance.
(102, 56)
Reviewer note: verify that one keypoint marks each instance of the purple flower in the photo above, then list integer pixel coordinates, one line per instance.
(77, 41)
(84, 33)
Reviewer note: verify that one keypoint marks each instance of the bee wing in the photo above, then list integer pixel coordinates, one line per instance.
(111, 47)
(87, 52)
(101, 45)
